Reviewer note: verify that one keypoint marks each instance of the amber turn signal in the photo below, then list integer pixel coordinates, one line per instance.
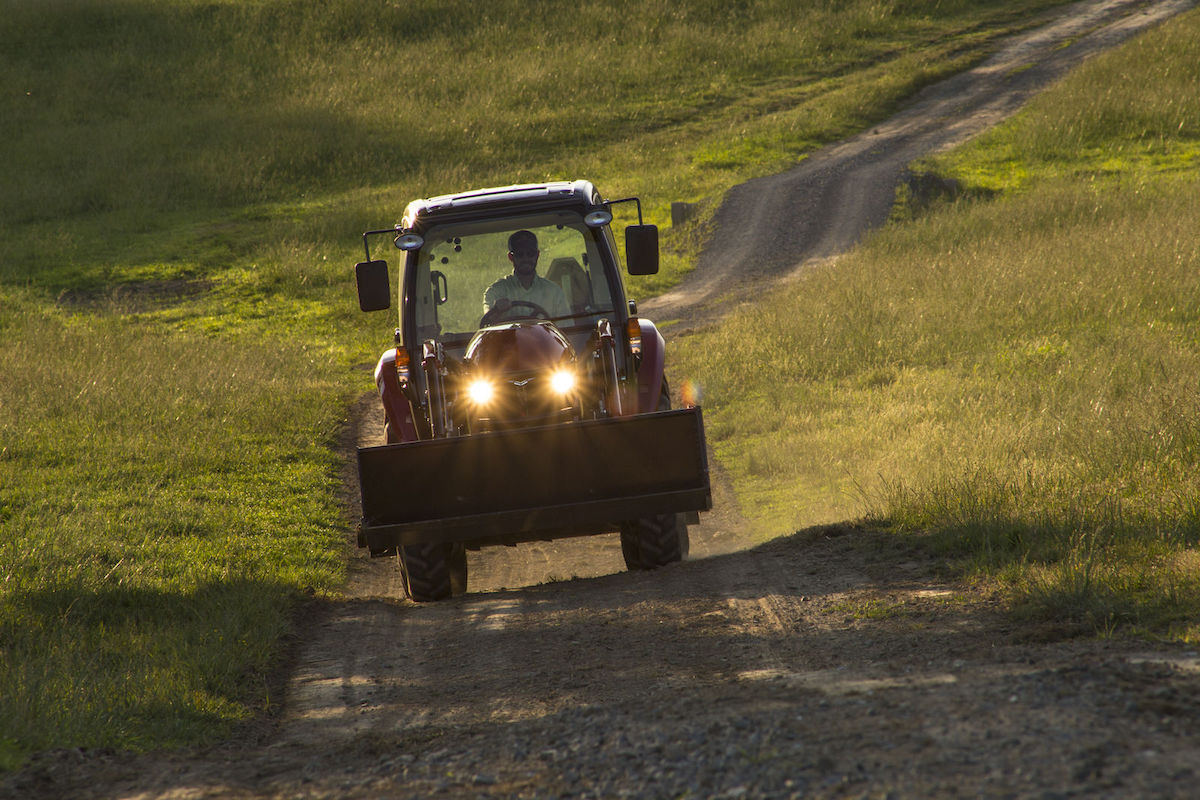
(633, 329)
(402, 364)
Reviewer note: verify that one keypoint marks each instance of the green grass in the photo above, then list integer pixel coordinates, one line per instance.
(185, 185)
(1012, 380)
(166, 499)
(294, 109)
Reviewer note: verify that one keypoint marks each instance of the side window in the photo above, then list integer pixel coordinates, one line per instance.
(424, 308)
(600, 290)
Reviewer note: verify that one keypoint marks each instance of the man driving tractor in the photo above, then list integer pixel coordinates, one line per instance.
(524, 288)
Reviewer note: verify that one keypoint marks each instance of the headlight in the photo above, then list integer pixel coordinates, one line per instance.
(563, 381)
(481, 391)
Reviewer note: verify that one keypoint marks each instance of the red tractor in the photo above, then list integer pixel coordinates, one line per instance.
(524, 398)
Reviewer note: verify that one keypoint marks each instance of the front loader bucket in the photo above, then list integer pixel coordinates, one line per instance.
(534, 483)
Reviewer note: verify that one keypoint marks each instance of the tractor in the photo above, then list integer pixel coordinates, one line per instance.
(524, 398)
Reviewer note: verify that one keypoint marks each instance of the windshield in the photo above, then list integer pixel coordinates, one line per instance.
(464, 269)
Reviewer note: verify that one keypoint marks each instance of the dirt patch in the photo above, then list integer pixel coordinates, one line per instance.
(134, 298)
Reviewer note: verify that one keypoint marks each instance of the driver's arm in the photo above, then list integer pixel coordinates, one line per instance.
(494, 299)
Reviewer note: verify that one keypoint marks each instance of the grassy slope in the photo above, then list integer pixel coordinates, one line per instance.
(185, 184)
(1014, 379)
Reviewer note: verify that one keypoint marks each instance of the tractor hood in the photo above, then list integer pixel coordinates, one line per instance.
(518, 347)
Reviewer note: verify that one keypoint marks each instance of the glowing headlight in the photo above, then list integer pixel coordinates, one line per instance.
(481, 392)
(562, 381)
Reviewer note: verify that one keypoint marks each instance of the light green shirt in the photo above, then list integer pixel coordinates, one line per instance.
(546, 294)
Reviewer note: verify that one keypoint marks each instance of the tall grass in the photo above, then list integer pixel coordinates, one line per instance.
(1129, 116)
(185, 182)
(285, 98)
(166, 500)
(1018, 376)
(182, 106)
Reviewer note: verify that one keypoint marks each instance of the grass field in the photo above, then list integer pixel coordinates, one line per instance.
(1014, 382)
(185, 183)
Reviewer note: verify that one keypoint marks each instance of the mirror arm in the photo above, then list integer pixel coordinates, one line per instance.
(636, 200)
(366, 245)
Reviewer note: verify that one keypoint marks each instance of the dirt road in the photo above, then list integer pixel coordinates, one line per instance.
(833, 663)
(771, 226)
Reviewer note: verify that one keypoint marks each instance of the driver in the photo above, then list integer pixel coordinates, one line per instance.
(524, 284)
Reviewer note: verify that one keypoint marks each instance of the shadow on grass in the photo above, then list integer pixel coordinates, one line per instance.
(136, 668)
(1091, 572)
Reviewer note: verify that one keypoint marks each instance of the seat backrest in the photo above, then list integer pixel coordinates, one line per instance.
(575, 283)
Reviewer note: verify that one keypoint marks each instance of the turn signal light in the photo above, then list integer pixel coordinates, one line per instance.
(402, 364)
(633, 329)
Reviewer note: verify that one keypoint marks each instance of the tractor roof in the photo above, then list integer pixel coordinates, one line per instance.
(502, 198)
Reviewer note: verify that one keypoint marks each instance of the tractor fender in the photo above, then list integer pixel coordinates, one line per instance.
(395, 403)
(650, 369)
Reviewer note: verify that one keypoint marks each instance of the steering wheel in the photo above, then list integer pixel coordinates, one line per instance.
(495, 314)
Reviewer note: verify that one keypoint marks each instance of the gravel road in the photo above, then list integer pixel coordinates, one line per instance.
(833, 663)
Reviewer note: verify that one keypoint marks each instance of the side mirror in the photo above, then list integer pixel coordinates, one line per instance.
(374, 288)
(641, 249)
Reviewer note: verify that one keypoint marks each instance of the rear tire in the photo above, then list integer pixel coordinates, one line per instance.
(426, 571)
